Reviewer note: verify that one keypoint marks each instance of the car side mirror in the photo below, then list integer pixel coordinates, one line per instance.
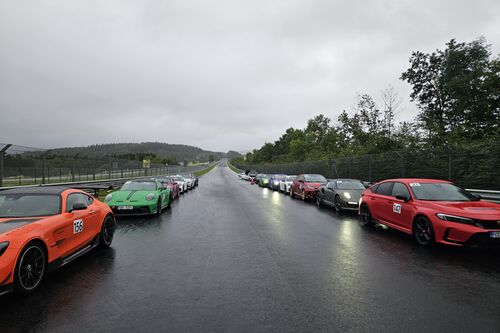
(79, 206)
(402, 197)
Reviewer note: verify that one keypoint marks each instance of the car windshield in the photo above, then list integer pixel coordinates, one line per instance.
(139, 186)
(290, 178)
(28, 205)
(315, 178)
(178, 179)
(279, 177)
(349, 185)
(440, 192)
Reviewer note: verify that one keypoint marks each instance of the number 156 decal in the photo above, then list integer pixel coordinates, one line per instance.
(77, 226)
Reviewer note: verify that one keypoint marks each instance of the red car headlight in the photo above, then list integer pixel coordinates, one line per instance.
(3, 247)
(309, 187)
(456, 219)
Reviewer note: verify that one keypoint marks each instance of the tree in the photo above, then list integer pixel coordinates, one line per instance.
(391, 102)
(456, 91)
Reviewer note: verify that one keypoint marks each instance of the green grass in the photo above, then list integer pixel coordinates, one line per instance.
(205, 171)
(232, 167)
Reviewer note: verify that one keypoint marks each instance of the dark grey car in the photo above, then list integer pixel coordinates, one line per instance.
(341, 194)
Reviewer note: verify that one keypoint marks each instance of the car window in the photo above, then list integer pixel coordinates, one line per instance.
(331, 185)
(400, 189)
(26, 205)
(385, 188)
(76, 198)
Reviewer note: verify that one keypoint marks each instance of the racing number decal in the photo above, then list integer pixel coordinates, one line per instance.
(396, 208)
(77, 226)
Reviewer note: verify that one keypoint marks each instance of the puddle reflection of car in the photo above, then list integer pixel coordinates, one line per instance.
(432, 211)
(42, 228)
(341, 194)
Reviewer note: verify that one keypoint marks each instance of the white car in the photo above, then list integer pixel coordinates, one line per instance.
(190, 181)
(244, 176)
(286, 183)
(182, 183)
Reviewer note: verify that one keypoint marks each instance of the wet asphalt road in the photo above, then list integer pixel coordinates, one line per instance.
(232, 257)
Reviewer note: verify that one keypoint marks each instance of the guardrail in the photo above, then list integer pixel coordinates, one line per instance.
(488, 195)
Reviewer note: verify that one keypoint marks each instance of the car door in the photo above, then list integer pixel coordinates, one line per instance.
(401, 213)
(381, 202)
(83, 224)
(329, 193)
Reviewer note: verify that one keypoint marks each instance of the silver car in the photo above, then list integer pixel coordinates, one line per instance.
(286, 183)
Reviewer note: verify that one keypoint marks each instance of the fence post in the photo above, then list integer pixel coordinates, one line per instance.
(73, 171)
(2, 154)
(370, 168)
(449, 165)
(43, 170)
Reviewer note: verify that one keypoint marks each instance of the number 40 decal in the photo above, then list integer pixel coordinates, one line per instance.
(77, 226)
(396, 208)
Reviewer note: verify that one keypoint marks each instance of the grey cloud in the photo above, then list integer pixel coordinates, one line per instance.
(216, 74)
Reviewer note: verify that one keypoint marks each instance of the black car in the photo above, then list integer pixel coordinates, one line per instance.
(341, 194)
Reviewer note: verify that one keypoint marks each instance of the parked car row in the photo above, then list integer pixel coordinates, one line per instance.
(433, 211)
(149, 196)
(43, 228)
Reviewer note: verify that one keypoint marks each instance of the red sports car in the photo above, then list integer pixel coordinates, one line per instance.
(42, 228)
(172, 185)
(433, 211)
(306, 185)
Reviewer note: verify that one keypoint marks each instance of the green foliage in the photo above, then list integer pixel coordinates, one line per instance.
(458, 94)
(457, 91)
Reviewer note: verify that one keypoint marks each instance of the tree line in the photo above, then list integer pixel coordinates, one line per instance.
(456, 91)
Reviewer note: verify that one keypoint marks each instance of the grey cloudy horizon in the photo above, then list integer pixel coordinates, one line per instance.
(218, 75)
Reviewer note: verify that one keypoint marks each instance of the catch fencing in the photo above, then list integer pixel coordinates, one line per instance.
(21, 166)
(468, 168)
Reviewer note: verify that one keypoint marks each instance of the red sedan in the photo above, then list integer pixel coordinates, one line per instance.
(433, 211)
(306, 185)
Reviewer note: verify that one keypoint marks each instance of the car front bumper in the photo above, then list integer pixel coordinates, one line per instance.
(453, 233)
(136, 210)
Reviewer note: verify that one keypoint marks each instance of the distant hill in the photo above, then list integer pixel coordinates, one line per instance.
(164, 150)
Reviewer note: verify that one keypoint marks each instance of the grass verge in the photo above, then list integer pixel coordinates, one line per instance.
(205, 171)
(232, 167)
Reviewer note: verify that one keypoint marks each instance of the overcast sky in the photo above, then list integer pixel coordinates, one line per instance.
(215, 74)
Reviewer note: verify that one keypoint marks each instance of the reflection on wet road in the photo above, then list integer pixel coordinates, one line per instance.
(232, 257)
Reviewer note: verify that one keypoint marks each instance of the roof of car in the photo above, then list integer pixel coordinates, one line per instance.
(417, 180)
(36, 190)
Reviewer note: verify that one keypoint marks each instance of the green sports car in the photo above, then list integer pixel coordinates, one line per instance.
(140, 197)
(264, 180)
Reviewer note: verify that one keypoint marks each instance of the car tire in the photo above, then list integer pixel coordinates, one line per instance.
(337, 204)
(318, 201)
(366, 216)
(31, 268)
(303, 195)
(158, 208)
(107, 232)
(291, 192)
(423, 231)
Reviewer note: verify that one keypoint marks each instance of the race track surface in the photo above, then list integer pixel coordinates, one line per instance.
(232, 257)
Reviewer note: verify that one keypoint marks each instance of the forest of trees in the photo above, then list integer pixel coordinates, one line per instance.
(456, 91)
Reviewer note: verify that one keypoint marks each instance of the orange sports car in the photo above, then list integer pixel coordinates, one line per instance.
(43, 228)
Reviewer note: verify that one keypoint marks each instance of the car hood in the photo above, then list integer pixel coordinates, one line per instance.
(130, 196)
(315, 185)
(482, 210)
(355, 194)
(8, 224)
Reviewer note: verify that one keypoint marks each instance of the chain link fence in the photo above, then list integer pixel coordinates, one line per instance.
(21, 165)
(468, 168)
